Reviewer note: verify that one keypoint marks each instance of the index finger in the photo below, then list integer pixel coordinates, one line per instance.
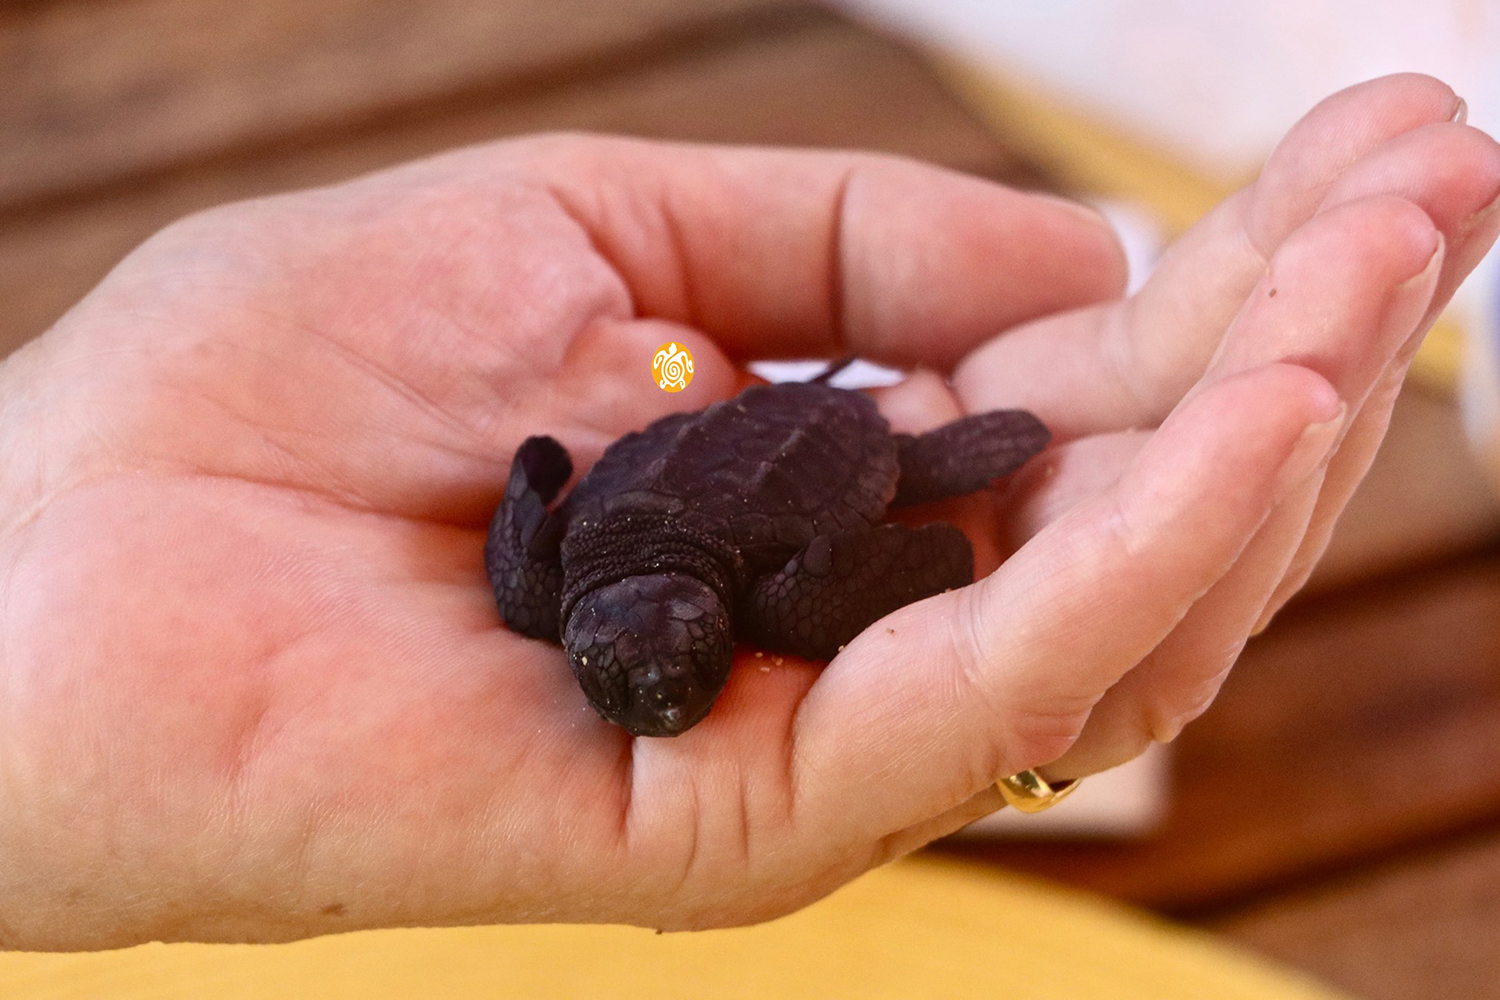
(797, 253)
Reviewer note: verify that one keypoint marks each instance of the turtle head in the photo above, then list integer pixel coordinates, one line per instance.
(650, 652)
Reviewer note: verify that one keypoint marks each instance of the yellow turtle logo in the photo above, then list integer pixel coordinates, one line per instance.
(672, 367)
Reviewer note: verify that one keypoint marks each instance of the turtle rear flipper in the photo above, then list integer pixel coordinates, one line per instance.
(521, 554)
(839, 585)
(966, 455)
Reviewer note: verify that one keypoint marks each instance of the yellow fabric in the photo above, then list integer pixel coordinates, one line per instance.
(923, 929)
(1089, 156)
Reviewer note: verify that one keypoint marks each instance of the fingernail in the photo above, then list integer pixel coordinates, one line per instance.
(1311, 451)
(1082, 210)
(1410, 302)
(1480, 216)
(1428, 269)
(1167, 730)
(1460, 112)
(1264, 621)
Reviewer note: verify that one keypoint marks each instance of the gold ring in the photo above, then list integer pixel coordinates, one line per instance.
(1030, 793)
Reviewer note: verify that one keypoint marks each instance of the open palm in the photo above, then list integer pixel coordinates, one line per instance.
(252, 682)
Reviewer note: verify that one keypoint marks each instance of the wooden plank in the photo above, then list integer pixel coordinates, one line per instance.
(1359, 724)
(1427, 497)
(92, 92)
(820, 84)
(1425, 926)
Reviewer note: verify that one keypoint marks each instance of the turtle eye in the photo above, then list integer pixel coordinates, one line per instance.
(651, 652)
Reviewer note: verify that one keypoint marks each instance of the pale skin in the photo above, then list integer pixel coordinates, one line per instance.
(252, 682)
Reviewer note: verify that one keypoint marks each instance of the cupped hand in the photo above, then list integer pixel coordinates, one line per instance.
(252, 682)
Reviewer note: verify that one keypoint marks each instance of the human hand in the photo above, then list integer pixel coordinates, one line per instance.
(254, 686)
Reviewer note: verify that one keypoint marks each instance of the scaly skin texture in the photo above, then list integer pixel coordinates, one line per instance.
(251, 683)
(521, 552)
(651, 651)
(836, 587)
(764, 508)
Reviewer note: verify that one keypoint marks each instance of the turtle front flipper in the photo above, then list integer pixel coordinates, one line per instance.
(966, 455)
(521, 554)
(838, 585)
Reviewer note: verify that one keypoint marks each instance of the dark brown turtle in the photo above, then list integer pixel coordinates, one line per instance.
(758, 518)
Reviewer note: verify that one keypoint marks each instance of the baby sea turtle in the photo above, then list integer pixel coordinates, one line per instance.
(757, 518)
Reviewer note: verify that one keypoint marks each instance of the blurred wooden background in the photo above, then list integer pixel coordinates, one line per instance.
(1339, 807)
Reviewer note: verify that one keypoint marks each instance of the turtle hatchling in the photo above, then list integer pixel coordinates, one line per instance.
(758, 518)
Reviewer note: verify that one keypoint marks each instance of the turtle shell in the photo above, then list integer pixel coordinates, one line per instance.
(766, 471)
